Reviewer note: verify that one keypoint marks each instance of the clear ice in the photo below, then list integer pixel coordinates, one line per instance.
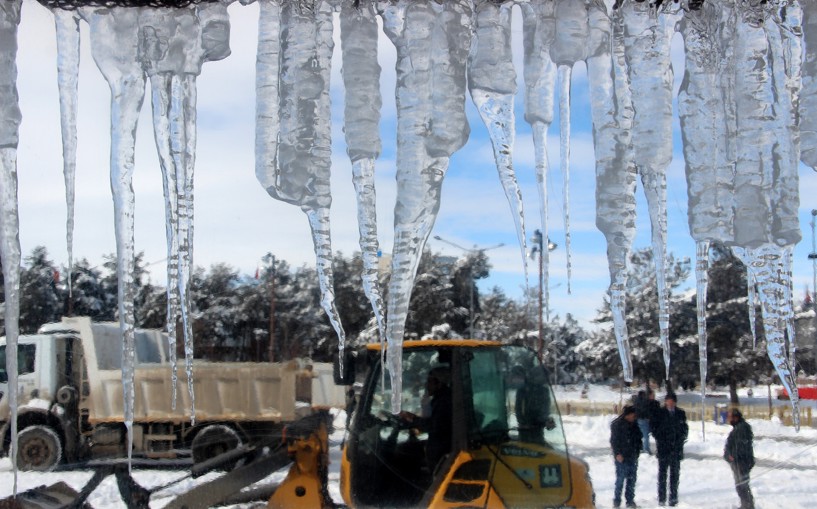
(293, 151)
(9, 220)
(569, 46)
(432, 42)
(808, 92)
(648, 32)
(539, 26)
(361, 83)
(492, 83)
(612, 113)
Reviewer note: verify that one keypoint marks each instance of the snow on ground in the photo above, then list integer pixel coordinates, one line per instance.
(784, 476)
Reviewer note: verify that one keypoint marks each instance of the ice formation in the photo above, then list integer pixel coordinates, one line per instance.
(9, 221)
(746, 105)
(492, 83)
(361, 82)
(539, 26)
(612, 111)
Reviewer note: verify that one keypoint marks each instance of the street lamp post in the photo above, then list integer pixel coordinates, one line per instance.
(473, 250)
(538, 247)
(270, 259)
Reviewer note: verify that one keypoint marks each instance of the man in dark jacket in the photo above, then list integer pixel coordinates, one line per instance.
(625, 440)
(740, 455)
(670, 429)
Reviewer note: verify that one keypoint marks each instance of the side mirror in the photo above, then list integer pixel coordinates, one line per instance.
(343, 368)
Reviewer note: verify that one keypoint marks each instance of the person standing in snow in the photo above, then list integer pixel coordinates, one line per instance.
(739, 453)
(625, 440)
(645, 409)
(670, 429)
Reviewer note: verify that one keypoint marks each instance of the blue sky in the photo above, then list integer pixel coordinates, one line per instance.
(237, 222)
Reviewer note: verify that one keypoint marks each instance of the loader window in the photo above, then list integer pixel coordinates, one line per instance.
(26, 354)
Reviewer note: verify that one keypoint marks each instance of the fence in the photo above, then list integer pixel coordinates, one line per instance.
(783, 413)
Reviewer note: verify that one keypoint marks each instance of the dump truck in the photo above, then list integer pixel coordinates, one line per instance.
(71, 407)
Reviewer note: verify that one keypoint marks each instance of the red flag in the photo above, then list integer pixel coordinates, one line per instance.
(256, 273)
(807, 300)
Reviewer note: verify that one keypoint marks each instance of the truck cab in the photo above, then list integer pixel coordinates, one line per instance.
(500, 443)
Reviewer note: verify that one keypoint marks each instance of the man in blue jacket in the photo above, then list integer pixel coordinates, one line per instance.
(625, 440)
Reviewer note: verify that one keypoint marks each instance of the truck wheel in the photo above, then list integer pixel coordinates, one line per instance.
(38, 448)
(214, 440)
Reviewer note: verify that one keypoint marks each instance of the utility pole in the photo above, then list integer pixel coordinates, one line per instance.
(472, 251)
(270, 259)
(538, 247)
(813, 257)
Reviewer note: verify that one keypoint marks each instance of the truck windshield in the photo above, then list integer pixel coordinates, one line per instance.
(25, 360)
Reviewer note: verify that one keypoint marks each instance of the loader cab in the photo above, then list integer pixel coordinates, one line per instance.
(490, 437)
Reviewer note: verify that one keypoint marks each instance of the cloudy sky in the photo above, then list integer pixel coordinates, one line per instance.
(237, 222)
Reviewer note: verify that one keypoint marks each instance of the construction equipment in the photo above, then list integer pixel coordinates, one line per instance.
(479, 427)
(506, 446)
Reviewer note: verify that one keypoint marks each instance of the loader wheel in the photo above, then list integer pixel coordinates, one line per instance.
(214, 440)
(38, 448)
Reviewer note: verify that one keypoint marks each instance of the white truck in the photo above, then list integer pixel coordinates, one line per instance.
(71, 407)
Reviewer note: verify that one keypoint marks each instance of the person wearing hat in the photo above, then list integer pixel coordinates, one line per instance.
(670, 429)
(625, 440)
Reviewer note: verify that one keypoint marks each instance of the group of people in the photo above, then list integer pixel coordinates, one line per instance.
(629, 437)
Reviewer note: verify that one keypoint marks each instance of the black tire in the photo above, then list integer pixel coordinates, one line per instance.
(39, 449)
(213, 440)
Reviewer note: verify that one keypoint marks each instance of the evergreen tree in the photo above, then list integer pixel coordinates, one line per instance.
(600, 350)
(41, 299)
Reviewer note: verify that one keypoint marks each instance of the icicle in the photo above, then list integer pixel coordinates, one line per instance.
(361, 80)
(174, 44)
(766, 264)
(808, 92)
(612, 111)
(539, 26)
(432, 47)
(293, 106)
(118, 61)
(766, 224)
(709, 169)
(492, 83)
(702, 282)
(565, 73)
(67, 26)
(647, 39)
(788, 306)
(569, 47)
(9, 218)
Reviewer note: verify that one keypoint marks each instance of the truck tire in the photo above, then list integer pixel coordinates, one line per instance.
(38, 449)
(213, 440)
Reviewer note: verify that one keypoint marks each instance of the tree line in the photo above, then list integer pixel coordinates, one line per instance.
(231, 314)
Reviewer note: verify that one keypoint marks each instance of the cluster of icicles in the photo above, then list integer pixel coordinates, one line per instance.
(747, 104)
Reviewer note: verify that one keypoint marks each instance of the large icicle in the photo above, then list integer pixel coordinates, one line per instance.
(361, 81)
(647, 38)
(9, 220)
(432, 42)
(808, 92)
(612, 112)
(766, 198)
(539, 27)
(293, 155)
(174, 44)
(709, 169)
(492, 83)
(67, 27)
(114, 46)
(569, 46)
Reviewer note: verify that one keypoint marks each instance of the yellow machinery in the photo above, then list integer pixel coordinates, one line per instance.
(506, 447)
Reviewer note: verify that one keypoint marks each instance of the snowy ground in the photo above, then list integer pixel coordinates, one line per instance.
(785, 475)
